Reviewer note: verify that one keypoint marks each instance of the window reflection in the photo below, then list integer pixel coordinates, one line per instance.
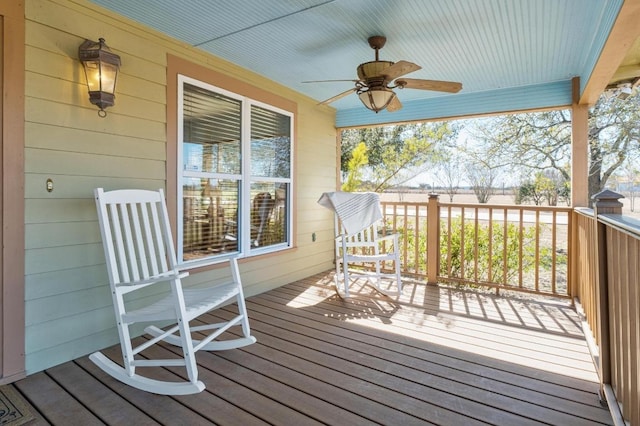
(268, 213)
(210, 217)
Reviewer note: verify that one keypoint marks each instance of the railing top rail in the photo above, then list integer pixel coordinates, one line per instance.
(480, 206)
(584, 211)
(405, 203)
(507, 206)
(623, 223)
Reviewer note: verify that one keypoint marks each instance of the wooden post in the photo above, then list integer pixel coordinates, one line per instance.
(605, 202)
(433, 239)
(579, 149)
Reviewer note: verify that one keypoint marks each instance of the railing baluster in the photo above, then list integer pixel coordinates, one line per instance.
(505, 236)
(475, 250)
(490, 247)
(449, 214)
(537, 256)
(521, 248)
(405, 242)
(553, 252)
(416, 252)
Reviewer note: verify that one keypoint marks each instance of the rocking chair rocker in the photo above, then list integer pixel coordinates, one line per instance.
(139, 253)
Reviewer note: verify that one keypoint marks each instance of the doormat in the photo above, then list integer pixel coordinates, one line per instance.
(14, 409)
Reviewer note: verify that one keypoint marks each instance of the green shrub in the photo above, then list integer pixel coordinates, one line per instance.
(488, 258)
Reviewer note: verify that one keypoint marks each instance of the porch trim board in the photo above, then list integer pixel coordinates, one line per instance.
(12, 107)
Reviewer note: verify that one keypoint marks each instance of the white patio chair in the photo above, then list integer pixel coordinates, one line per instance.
(363, 247)
(140, 254)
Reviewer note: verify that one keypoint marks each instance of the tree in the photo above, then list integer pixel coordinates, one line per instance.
(449, 176)
(542, 140)
(376, 139)
(481, 177)
(528, 192)
(482, 167)
(355, 165)
(397, 167)
(395, 153)
(631, 176)
(547, 186)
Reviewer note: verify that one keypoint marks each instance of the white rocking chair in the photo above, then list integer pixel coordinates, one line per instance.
(139, 252)
(361, 241)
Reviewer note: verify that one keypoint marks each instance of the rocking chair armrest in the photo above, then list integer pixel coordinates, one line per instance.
(155, 279)
(393, 236)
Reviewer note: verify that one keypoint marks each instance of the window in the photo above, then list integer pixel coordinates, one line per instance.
(235, 184)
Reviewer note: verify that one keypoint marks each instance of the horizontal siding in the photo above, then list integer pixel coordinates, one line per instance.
(58, 353)
(71, 187)
(53, 283)
(40, 136)
(43, 235)
(67, 329)
(60, 258)
(71, 116)
(81, 164)
(68, 306)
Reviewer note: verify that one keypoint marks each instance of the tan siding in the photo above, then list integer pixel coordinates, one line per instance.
(81, 164)
(77, 140)
(66, 115)
(73, 187)
(68, 307)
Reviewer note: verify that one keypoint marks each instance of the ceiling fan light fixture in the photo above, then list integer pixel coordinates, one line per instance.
(376, 98)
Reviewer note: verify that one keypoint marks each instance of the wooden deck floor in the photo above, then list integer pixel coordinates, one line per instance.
(433, 356)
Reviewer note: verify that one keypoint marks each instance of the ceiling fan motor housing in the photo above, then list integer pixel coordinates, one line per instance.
(372, 69)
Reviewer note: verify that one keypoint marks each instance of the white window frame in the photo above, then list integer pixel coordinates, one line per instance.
(244, 201)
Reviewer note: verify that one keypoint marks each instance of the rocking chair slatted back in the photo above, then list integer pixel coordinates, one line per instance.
(137, 245)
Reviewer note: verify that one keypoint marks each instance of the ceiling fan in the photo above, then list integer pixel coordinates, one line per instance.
(377, 79)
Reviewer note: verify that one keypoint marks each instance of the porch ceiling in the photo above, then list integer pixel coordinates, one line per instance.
(509, 55)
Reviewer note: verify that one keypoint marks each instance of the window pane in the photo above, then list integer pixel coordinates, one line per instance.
(210, 217)
(268, 213)
(211, 136)
(270, 143)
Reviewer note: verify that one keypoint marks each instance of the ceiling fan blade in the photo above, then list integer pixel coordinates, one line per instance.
(394, 105)
(437, 85)
(400, 68)
(338, 96)
(328, 81)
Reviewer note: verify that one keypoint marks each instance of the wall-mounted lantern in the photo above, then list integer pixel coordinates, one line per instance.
(101, 69)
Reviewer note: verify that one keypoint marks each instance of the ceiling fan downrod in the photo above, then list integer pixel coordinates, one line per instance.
(377, 43)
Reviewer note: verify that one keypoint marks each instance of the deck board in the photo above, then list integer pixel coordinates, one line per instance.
(53, 402)
(435, 355)
(417, 366)
(488, 392)
(90, 392)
